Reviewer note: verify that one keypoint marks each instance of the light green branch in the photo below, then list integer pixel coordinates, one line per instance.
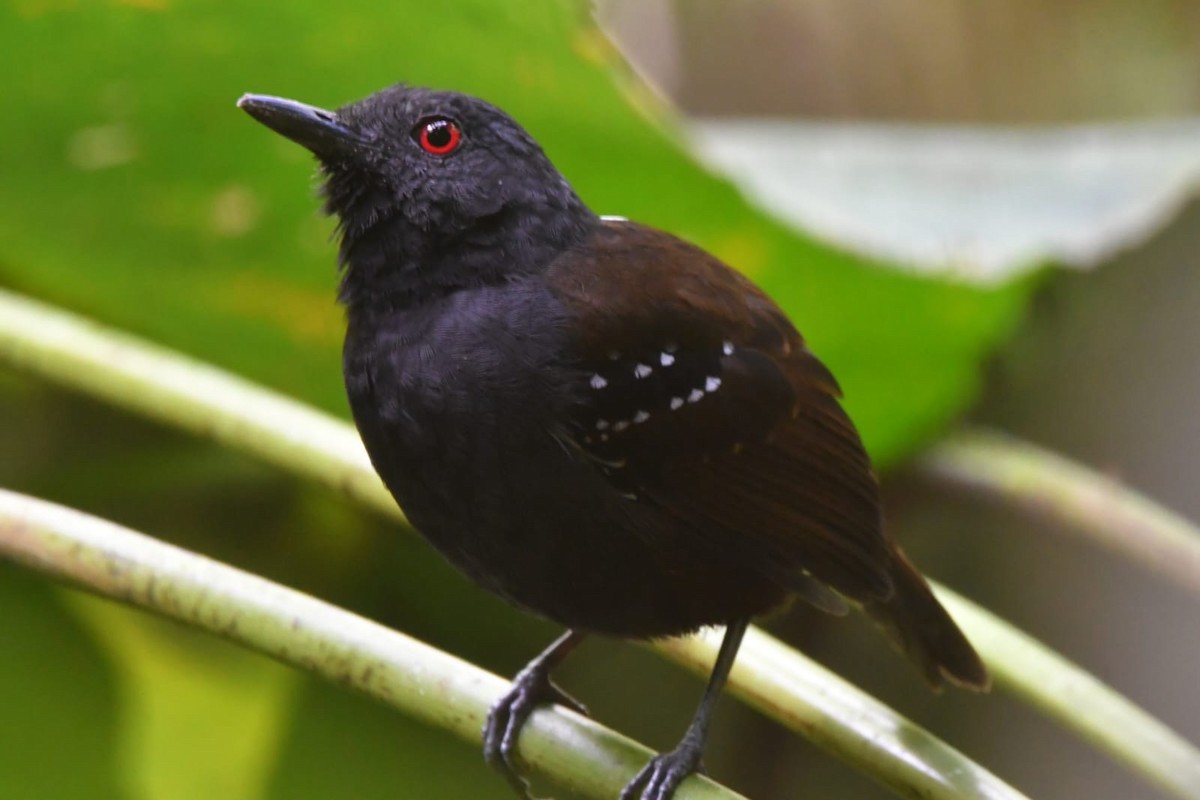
(174, 389)
(839, 718)
(1064, 692)
(64, 349)
(823, 708)
(1015, 473)
(410, 676)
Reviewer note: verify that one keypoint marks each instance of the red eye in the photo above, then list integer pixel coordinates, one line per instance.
(438, 136)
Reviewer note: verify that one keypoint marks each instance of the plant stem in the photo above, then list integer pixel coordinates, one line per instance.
(171, 388)
(1064, 692)
(174, 389)
(1007, 471)
(299, 630)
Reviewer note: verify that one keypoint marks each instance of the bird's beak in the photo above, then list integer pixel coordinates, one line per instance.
(315, 128)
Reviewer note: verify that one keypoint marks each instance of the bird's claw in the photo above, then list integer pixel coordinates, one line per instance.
(531, 688)
(659, 779)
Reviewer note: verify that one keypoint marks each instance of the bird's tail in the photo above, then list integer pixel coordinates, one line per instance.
(915, 620)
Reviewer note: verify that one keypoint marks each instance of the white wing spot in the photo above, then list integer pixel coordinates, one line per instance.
(676, 403)
(727, 348)
(613, 218)
(642, 370)
(620, 425)
(667, 359)
(712, 384)
(598, 381)
(695, 396)
(601, 424)
(641, 417)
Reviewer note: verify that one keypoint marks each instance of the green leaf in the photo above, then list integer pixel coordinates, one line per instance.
(135, 192)
(343, 745)
(57, 738)
(201, 719)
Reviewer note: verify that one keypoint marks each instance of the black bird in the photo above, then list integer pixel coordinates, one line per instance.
(601, 423)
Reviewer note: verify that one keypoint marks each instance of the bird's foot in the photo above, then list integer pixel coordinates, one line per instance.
(530, 688)
(659, 779)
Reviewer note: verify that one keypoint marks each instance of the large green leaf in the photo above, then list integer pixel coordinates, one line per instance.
(133, 189)
(200, 718)
(57, 731)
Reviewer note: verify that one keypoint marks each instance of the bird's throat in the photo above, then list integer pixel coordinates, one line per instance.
(393, 262)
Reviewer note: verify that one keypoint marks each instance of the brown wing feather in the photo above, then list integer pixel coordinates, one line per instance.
(766, 469)
(802, 496)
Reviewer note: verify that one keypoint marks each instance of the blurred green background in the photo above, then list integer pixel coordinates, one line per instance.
(132, 191)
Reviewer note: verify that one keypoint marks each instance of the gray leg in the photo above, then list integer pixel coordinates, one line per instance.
(659, 779)
(530, 688)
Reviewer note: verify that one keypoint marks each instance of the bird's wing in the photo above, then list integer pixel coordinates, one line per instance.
(700, 398)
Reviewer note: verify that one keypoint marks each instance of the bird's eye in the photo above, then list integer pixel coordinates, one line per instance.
(438, 136)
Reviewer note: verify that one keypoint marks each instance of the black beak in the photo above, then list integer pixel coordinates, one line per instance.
(315, 128)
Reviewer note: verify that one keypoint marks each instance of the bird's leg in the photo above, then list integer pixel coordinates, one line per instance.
(530, 688)
(659, 779)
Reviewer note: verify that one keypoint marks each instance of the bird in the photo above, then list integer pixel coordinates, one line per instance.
(598, 421)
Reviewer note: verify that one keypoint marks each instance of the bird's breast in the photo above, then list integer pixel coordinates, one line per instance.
(466, 413)
(458, 404)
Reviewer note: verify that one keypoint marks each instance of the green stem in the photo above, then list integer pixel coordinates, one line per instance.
(171, 388)
(62, 348)
(1063, 692)
(822, 707)
(1015, 473)
(839, 718)
(299, 630)
(174, 389)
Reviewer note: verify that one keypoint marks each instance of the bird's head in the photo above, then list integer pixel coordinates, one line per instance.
(434, 191)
